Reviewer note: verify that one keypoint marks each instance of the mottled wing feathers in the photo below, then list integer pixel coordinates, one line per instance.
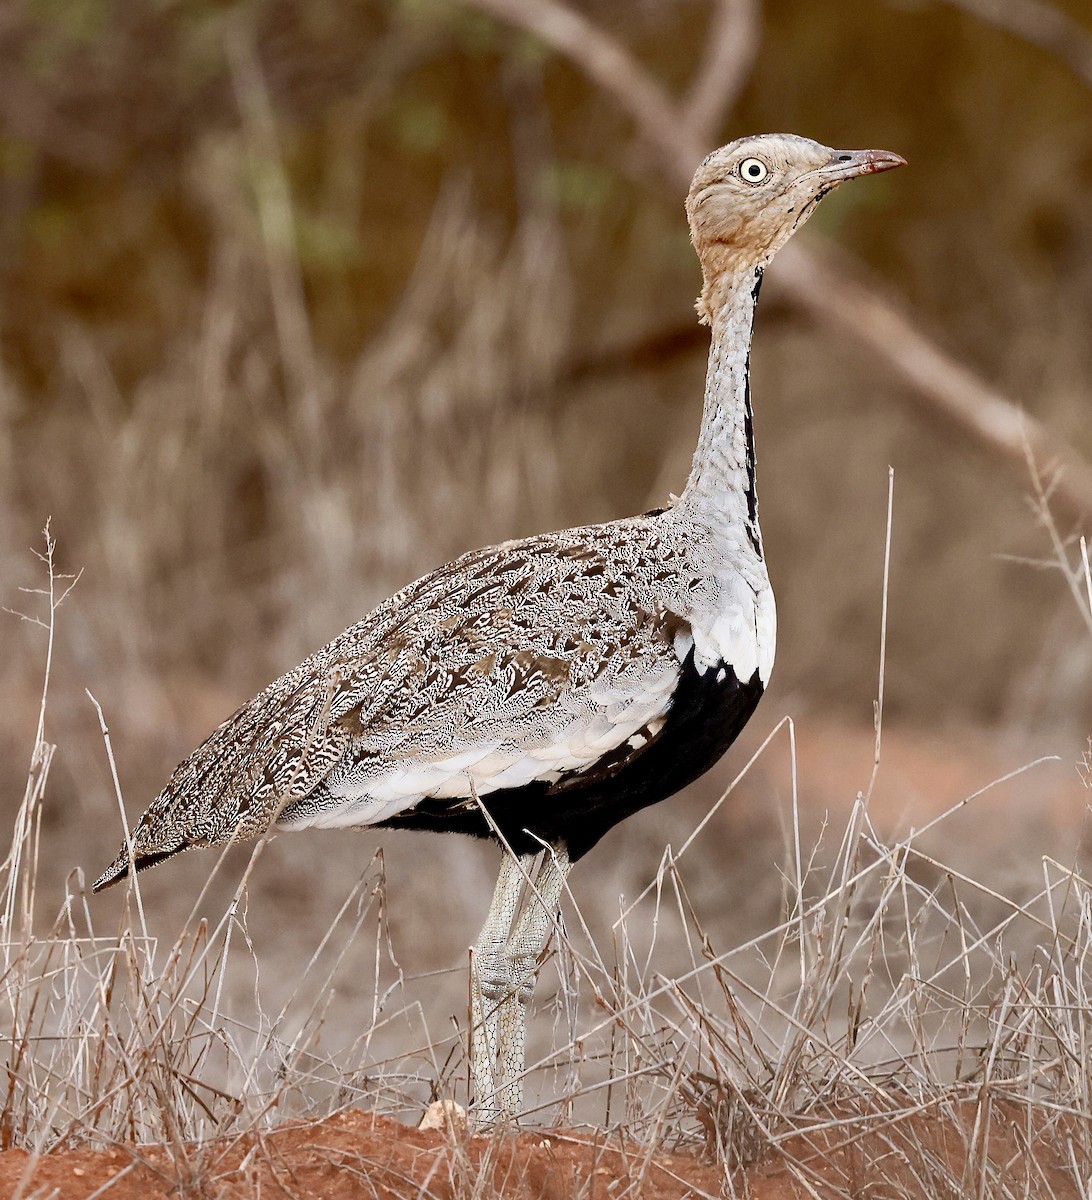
(526, 660)
(277, 746)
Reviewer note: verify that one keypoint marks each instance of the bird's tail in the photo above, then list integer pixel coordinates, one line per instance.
(121, 865)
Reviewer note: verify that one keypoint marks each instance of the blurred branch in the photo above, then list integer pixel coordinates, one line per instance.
(827, 291)
(1040, 23)
(942, 386)
(650, 349)
(610, 67)
(646, 351)
(734, 33)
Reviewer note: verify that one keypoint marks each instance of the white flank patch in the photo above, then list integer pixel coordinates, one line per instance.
(742, 634)
(766, 627)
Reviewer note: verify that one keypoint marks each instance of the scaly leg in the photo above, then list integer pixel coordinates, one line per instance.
(491, 983)
(527, 940)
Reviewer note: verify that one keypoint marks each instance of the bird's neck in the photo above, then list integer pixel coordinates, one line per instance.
(721, 489)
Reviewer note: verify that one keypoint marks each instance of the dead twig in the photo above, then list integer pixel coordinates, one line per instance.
(938, 383)
(679, 133)
(731, 45)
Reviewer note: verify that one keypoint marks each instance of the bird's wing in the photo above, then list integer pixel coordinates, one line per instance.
(524, 661)
(497, 691)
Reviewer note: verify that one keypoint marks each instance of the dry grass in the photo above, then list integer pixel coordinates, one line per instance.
(244, 490)
(899, 1006)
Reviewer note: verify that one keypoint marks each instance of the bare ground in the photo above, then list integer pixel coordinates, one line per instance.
(357, 1154)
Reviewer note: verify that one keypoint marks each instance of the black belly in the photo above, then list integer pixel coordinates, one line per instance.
(705, 718)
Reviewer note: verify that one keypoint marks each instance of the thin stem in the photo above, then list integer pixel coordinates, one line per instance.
(883, 632)
(134, 883)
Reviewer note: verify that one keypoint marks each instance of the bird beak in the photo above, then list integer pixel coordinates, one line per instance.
(848, 164)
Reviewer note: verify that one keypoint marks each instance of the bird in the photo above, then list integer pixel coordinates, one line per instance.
(540, 691)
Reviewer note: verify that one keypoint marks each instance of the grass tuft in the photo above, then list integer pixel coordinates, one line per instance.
(901, 1017)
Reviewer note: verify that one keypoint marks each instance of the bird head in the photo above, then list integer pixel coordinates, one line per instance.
(749, 197)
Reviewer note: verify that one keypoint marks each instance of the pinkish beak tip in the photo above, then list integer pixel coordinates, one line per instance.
(863, 162)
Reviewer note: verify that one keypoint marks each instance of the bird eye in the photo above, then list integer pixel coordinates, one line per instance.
(753, 170)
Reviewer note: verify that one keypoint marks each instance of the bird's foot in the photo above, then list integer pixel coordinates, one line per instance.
(504, 984)
(522, 966)
(490, 988)
(492, 976)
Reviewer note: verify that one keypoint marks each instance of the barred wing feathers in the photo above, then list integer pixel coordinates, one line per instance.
(531, 660)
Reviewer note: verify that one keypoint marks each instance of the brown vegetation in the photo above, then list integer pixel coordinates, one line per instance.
(303, 299)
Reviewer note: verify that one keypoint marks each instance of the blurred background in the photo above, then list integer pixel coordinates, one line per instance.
(300, 298)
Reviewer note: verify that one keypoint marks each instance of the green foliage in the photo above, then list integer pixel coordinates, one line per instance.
(61, 27)
(17, 156)
(420, 126)
(52, 227)
(586, 187)
(325, 242)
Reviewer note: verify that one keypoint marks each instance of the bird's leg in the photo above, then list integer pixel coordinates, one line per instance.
(526, 942)
(491, 984)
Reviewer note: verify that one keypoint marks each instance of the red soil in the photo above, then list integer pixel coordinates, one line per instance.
(357, 1155)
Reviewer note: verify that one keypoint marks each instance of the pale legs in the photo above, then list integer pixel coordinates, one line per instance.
(504, 966)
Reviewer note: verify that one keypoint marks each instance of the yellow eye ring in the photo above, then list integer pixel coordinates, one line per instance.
(753, 170)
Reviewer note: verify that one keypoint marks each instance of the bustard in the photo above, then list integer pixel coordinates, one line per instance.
(540, 691)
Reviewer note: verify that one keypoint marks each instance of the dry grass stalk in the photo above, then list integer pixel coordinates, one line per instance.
(900, 1011)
